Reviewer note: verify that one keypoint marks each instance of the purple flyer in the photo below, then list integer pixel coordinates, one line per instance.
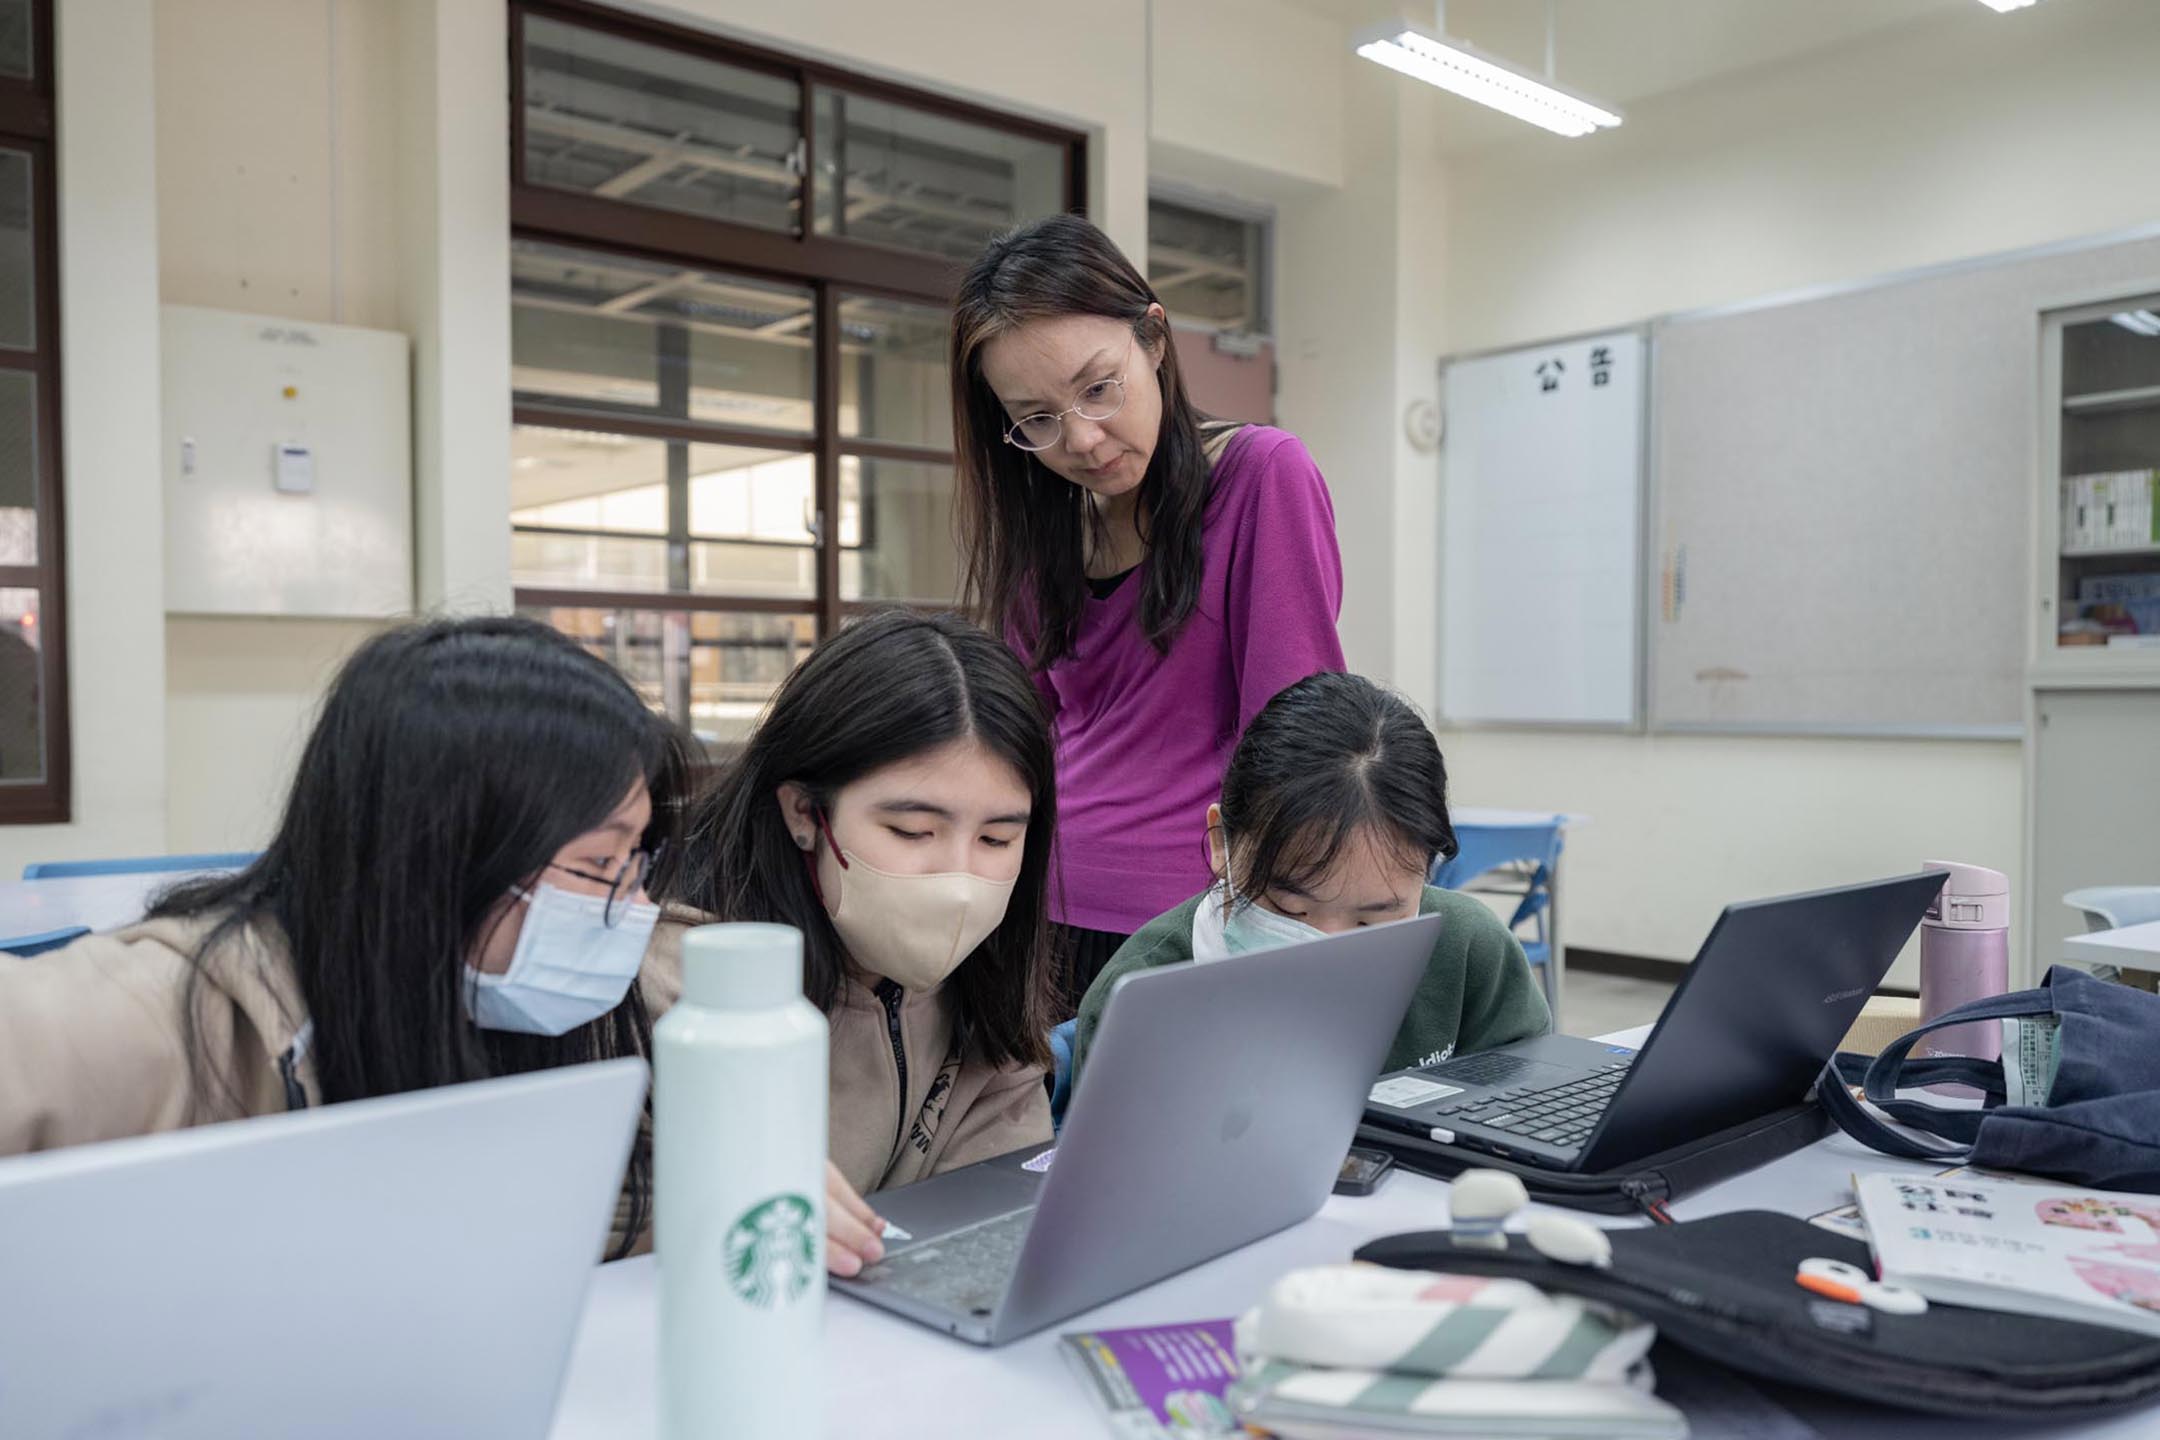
(1161, 1379)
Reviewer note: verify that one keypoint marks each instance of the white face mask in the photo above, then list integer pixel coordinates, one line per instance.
(913, 929)
(570, 967)
(1246, 929)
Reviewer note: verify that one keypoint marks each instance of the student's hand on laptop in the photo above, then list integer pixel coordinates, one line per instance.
(853, 1230)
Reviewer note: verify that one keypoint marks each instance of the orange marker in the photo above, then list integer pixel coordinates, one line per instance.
(1829, 1289)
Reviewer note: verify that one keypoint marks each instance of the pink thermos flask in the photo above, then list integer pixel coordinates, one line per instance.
(1965, 955)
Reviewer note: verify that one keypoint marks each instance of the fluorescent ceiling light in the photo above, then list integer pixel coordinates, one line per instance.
(2004, 6)
(2137, 322)
(1463, 70)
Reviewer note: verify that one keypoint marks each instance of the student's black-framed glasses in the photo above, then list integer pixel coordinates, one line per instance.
(623, 885)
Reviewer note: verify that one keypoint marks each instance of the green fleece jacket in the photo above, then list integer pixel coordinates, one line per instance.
(1477, 993)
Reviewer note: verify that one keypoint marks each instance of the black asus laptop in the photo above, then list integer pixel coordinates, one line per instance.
(1757, 1016)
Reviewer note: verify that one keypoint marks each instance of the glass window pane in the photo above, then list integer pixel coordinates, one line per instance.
(892, 372)
(18, 253)
(624, 120)
(712, 671)
(768, 572)
(588, 562)
(765, 501)
(18, 468)
(607, 333)
(2122, 352)
(594, 510)
(18, 39)
(736, 662)
(896, 533)
(1207, 268)
(892, 175)
(627, 639)
(22, 704)
(741, 494)
(587, 480)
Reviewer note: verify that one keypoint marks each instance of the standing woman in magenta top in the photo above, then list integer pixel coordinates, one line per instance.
(1163, 576)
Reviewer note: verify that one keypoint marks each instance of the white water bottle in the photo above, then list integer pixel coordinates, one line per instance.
(739, 1087)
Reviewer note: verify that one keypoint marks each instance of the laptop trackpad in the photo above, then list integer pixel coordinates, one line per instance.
(1497, 1070)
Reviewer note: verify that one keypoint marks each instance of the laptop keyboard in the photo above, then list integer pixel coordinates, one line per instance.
(1492, 1068)
(1559, 1115)
(966, 1271)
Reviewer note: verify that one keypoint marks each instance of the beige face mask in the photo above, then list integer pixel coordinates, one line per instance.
(913, 929)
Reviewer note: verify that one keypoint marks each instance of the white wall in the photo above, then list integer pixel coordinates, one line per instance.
(1255, 83)
(276, 196)
(1336, 322)
(109, 427)
(1921, 144)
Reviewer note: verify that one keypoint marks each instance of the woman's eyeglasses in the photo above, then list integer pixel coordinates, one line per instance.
(1098, 401)
(623, 885)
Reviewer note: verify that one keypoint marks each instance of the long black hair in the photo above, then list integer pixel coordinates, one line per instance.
(883, 691)
(451, 761)
(1327, 759)
(1022, 526)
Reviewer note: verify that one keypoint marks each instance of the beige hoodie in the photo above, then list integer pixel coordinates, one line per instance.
(906, 1102)
(92, 1048)
(92, 1045)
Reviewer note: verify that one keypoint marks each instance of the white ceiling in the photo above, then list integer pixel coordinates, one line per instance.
(1624, 51)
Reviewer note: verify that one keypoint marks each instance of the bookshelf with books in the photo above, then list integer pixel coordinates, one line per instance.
(2099, 619)
(2092, 717)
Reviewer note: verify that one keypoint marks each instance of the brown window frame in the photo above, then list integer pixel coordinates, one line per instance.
(27, 123)
(833, 268)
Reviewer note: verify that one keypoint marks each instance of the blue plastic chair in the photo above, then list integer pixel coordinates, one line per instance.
(147, 865)
(1061, 1050)
(28, 945)
(1528, 854)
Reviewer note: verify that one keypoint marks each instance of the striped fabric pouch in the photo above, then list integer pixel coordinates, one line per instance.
(1442, 1353)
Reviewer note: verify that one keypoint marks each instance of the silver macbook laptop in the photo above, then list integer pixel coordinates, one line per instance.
(1216, 1106)
(409, 1266)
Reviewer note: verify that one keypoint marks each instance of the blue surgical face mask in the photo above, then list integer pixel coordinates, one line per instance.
(570, 966)
(1248, 927)
(1252, 926)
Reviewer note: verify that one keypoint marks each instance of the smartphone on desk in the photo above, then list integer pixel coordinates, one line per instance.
(1362, 1171)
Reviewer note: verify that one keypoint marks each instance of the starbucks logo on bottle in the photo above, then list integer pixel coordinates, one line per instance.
(772, 1253)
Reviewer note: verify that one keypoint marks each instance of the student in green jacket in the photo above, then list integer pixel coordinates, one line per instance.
(1333, 810)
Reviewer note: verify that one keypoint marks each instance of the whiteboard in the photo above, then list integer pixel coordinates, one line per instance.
(1541, 534)
(1845, 493)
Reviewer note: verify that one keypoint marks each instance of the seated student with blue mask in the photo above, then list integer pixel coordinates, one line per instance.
(454, 892)
(1333, 810)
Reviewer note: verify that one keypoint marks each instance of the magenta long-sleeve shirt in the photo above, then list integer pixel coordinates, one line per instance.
(1143, 737)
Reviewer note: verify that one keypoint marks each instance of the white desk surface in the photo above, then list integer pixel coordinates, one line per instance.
(101, 902)
(2137, 946)
(891, 1377)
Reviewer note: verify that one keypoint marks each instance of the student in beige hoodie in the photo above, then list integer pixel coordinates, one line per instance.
(453, 892)
(896, 805)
